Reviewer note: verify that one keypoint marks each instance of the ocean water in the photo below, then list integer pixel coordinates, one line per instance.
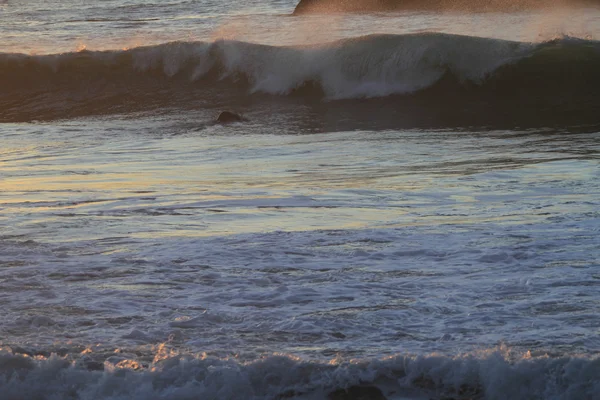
(410, 211)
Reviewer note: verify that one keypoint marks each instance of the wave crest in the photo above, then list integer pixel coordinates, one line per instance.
(490, 375)
(364, 67)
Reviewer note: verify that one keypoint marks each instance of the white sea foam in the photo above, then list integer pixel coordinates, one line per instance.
(370, 66)
(494, 375)
(348, 243)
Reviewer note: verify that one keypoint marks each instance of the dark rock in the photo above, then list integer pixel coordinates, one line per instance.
(357, 393)
(227, 117)
(336, 6)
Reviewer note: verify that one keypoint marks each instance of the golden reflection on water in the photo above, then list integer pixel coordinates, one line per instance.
(190, 186)
(61, 183)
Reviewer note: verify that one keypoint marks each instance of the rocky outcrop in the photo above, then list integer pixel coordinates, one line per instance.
(227, 117)
(337, 6)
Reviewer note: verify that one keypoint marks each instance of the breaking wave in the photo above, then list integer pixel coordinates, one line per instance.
(491, 375)
(560, 75)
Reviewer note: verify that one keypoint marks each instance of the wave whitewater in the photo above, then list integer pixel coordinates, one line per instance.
(431, 70)
(491, 375)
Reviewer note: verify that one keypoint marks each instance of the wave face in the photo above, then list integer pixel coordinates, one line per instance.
(429, 71)
(167, 376)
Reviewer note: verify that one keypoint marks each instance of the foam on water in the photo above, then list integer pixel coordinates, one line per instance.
(378, 253)
(495, 375)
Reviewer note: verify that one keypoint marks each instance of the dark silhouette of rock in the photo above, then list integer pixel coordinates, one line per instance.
(357, 393)
(325, 6)
(337, 6)
(227, 117)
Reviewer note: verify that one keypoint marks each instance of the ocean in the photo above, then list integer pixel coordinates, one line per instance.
(409, 209)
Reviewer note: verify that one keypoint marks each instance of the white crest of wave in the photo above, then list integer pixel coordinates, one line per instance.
(491, 375)
(369, 66)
